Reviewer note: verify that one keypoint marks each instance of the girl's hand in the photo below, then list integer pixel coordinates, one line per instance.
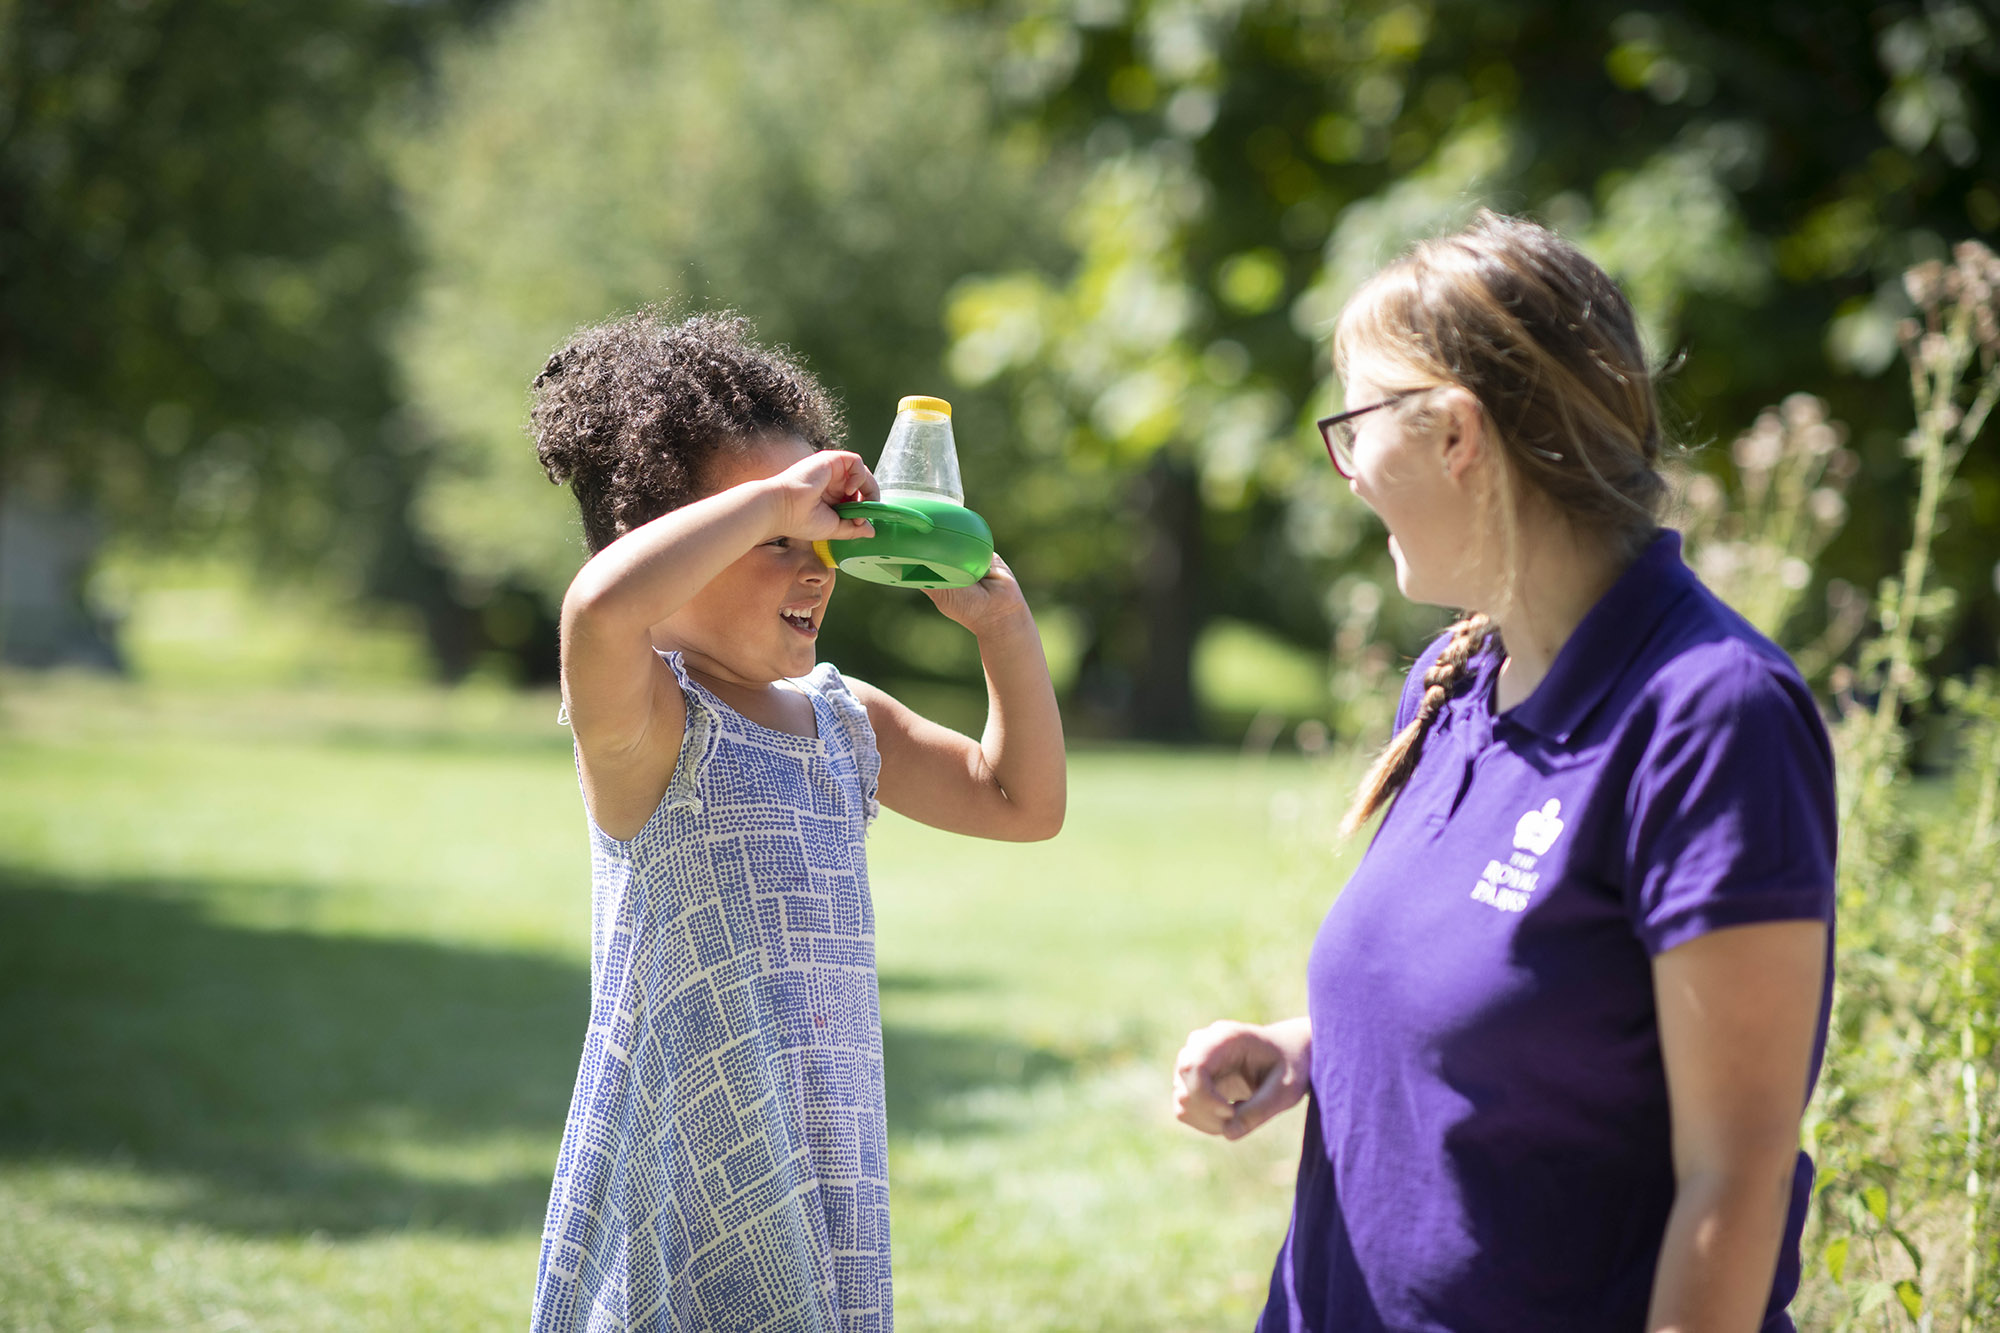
(804, 494)
(1231, 1077)
(993, 603)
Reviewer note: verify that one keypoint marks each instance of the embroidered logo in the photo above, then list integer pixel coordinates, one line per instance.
(1507, 885)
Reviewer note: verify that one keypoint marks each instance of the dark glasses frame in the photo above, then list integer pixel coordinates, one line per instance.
(1338, 432)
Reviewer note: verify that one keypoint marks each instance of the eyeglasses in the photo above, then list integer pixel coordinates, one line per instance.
(1338, 432)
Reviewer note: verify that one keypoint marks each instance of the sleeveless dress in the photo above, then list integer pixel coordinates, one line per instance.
(723, 1166)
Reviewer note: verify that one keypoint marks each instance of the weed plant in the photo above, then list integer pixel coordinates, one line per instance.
(1905, 1126)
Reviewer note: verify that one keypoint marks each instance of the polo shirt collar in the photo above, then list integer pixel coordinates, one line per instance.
(1605, 642)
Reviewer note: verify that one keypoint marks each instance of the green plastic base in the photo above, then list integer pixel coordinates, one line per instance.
(917, 544)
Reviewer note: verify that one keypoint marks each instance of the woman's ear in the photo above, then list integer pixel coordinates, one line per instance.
(1462, 436)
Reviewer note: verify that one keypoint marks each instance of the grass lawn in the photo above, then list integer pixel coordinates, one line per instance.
(292, 990)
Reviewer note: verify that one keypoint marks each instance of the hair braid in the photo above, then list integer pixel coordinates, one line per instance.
(1392, 768)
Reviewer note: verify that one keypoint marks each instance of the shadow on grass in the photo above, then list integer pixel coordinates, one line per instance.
(249, 1065)
(933, 1074)
(242, 1061)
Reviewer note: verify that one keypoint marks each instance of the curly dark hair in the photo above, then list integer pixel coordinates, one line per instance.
(630, 412)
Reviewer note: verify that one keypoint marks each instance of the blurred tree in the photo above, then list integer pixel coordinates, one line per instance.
(199, 251)
(201, 257)
(1758, 177)
(828, 170)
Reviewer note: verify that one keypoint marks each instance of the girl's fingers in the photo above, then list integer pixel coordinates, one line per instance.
(856, 481)
(841, 476)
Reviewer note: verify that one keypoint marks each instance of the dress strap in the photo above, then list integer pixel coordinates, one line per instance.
(856, 734)
(675, 663)
(697, 740)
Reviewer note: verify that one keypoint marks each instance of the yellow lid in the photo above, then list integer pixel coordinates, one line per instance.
(921, 403)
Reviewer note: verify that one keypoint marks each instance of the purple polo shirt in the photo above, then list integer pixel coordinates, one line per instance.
(1487, 1140)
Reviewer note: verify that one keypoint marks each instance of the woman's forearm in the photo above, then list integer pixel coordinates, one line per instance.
(1721, 1249)
(1295, 1035)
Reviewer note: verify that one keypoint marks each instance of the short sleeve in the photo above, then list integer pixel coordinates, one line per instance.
(857, 733)
(1731, 808)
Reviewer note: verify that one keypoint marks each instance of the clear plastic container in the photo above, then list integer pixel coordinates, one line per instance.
(920, 461)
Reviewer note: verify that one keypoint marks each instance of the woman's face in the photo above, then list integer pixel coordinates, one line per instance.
(1413, 465)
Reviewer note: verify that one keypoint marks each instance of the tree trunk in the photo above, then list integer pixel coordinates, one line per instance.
(1168, 578)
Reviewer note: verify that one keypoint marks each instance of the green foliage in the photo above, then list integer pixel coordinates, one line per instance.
(1756, 544)
(198, 250)
(1245, 672)
(828, 170)
(1758, 179)
(1906, 1125)
(206, 263)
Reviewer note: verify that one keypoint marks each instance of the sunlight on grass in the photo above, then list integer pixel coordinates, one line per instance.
(211, 624)
(297, 986)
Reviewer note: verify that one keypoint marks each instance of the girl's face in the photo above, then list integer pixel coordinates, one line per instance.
(758, 620)
(1413, 465)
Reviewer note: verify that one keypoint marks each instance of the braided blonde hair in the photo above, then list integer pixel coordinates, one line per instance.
(1392, 767)
(1548, 345)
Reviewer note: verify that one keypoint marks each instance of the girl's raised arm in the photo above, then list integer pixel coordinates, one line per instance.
(1012, 783)
(625, 708)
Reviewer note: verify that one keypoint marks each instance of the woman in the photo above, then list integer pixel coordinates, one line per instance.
(1563, 1020)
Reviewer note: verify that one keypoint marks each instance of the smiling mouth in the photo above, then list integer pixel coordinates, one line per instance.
(802, 621)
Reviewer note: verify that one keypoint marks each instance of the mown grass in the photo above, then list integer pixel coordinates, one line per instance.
(292, 988)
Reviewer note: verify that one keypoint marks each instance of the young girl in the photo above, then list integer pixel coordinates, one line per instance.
(723, 1167)
(1563, 1020)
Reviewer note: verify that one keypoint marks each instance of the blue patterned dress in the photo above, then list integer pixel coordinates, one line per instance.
(723, 1164)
